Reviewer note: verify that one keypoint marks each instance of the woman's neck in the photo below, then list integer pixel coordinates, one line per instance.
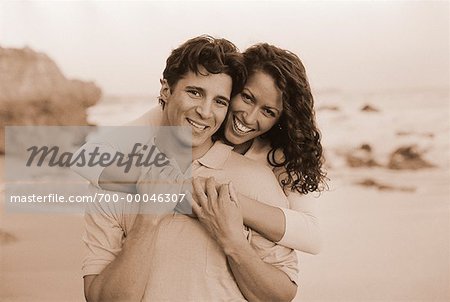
(243, 148)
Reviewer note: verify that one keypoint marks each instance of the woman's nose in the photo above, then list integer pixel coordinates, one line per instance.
(250, 117)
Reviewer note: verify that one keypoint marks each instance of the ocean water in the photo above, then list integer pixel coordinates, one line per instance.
(420, 118)
(117, 110)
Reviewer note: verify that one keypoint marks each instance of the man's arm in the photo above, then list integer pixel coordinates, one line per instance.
(257, 280)
(125, 277)
(221, 216)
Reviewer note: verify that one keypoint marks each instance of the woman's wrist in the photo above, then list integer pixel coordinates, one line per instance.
(244, 204)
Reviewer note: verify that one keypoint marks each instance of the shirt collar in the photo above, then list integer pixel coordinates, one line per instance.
(216, 156)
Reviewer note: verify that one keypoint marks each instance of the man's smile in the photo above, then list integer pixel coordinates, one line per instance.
(197, 125)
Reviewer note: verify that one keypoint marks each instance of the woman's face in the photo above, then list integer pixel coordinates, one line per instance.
(255, 110)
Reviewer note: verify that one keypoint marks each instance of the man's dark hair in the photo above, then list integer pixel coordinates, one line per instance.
(215, 55)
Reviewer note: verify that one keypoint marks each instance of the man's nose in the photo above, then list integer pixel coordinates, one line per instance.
(205, 109)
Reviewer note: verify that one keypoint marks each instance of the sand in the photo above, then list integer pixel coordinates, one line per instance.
(384, 246)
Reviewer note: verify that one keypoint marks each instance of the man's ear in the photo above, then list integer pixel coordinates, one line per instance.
(164, 93)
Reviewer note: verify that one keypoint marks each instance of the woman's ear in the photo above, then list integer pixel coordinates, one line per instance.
(164, 92)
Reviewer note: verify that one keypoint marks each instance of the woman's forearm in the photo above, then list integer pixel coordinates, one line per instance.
(296, 228)
(267, 220)
(114, 178)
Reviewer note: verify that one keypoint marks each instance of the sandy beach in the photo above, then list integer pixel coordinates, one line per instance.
(386, 243)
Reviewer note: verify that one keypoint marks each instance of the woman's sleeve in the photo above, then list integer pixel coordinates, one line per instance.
(111, 142)
(301, 224)
(302, 227)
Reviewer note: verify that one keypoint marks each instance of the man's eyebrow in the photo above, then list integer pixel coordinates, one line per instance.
(223, 98)
(196, 88)
(200, 89)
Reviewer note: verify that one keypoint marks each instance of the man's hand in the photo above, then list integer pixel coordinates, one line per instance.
(219, 212)
(160, 189)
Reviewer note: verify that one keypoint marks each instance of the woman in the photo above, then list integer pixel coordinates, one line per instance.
(272, 121)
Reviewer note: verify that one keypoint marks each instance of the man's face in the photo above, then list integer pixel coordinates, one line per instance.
(199, 101)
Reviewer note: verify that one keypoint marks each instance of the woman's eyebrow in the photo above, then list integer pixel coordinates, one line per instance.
(272, 108)
(249, 92)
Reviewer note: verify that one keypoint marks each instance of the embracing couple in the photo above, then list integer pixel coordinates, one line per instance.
(255, 153)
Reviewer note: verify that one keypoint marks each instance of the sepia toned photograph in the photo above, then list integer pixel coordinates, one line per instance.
(225, 151)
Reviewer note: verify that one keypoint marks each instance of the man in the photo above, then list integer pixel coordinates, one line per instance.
(152, 257)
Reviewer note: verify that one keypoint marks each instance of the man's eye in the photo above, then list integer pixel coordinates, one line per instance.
(222, 102)
(194, 93)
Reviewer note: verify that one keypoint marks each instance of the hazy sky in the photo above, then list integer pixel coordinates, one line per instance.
(349, 45)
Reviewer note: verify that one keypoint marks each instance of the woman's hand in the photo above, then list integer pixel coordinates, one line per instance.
(218, 210)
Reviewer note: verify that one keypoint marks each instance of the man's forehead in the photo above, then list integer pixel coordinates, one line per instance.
(220, 83)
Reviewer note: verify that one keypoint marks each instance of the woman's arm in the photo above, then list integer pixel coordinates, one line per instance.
(111, 142)
(296, 227)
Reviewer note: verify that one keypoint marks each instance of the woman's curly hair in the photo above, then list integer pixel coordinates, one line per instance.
(296, 133)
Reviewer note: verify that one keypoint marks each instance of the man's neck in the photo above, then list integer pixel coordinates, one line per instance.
(183, 154)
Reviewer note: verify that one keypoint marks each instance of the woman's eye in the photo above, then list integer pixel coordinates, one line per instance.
(246, 98)
(269, 112)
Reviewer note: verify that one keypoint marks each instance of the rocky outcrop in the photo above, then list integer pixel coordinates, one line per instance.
(33, 91)
(369, 108)
(408, 158)
(369, 182)
(361, 157)
(6, 238)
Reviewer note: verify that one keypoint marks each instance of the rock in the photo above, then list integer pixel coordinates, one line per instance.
(369, 182)
(328, 107)
(6, 237)
(369, 108)
(408, 158)
(33, 91)
(361, 157)
(408, 133)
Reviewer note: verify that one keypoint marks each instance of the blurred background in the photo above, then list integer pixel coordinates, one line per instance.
(380, 77)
